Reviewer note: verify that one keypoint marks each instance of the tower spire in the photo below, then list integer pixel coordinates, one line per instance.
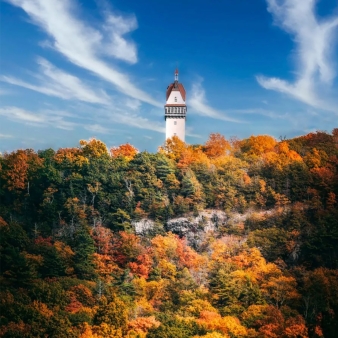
(176, 75)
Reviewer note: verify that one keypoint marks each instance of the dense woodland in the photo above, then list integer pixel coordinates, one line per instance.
(72, 264)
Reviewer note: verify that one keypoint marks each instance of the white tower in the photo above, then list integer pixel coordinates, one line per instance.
(175, 110)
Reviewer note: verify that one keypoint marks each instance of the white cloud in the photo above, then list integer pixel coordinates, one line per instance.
(47, 118)
(83, 45)
(116, 27)
(314, 45)
(96, 128)
(137, 121)
(198, 103)
(55, 82)
(132, 104)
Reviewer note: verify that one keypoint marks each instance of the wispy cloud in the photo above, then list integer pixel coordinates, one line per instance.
(115, 27)
(97, 128)
(199, 104)
(85, 46)
(136, 121)
(47, 118)
(314, 45)
(55, 82)
(3, 92)
(104, 121)
(5, 136)
(132, 104)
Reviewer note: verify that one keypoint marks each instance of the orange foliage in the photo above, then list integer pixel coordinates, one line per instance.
(12, 329)
(316, 158)
(173, 148)
(142, 266)
(74, 208)
(74, 305)
(281, 155)
(227, 325)
(83, 295)
(105, 266)
(70, 156)
(296, 328)
(323, 176)
(17, 166)
(330, 201)
(143, 324)
(281, 289)
(3, 223)
(186, 158)
(258, 145)
(126, 247)
(217, 146)
(125, 150)
(87, 332)
(246, 179)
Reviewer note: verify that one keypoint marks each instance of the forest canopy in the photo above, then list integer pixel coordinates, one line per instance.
(231, 238)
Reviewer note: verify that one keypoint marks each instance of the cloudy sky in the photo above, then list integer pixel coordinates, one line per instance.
(75, 69)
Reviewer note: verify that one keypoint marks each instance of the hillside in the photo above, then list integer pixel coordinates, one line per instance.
(231, 238)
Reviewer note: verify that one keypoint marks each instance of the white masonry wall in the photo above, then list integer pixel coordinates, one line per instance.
(175, 126)
(177, 94)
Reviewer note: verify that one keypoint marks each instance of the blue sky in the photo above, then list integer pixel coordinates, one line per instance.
(76, 69)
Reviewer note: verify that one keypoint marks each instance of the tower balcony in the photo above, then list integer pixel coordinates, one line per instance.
(175, 111)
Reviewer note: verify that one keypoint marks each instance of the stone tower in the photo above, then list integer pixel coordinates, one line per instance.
(175, 110)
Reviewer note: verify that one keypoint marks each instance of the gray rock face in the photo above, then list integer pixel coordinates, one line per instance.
(143, 226)
(193, 228)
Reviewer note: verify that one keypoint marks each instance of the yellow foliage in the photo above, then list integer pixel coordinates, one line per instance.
(93, 148)
(143, 307)
(258, 145)
(196, 306)
(87, 332)
(42, 309)
(227, 325)
(143, 324)
(173, 148)
(107, 331)
(34, 259)
(168, 270)
(70, 156)
(64, 250)
(213, 335)
(165, 246)
(152, 290)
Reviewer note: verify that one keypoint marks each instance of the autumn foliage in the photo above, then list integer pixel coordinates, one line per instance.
(230, 238)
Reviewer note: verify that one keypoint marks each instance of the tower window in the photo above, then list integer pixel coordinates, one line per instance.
(175, 99)
(175, 122)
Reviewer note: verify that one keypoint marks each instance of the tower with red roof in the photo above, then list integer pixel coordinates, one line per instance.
(175, 109)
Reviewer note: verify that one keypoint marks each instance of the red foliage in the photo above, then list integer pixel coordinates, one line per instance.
(43, 241)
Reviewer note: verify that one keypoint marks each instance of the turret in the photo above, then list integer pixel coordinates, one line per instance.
(175, 109)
